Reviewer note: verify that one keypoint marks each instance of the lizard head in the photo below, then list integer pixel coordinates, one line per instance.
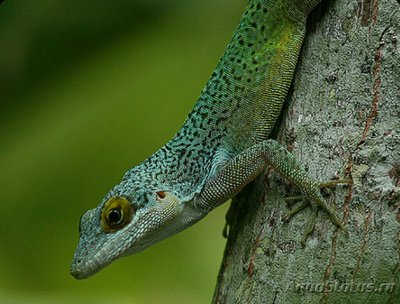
(119, 227)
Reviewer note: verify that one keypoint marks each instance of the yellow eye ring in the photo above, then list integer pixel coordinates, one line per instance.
(116, 214)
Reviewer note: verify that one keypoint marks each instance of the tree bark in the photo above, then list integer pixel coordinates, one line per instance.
(342, 121)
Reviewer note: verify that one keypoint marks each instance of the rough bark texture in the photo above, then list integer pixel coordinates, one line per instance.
(342, 120)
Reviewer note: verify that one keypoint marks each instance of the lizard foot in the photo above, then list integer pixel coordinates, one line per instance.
(315, 200)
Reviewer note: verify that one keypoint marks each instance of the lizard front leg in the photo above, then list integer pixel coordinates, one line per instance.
(242, 169)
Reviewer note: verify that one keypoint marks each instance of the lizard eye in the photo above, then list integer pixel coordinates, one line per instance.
(114, 217)
(116, 214)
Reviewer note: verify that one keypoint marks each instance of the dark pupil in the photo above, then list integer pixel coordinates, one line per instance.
(115, 217)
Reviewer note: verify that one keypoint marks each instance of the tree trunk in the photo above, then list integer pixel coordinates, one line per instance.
(342, 121)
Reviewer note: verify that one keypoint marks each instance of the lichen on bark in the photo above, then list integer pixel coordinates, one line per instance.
(342, 121)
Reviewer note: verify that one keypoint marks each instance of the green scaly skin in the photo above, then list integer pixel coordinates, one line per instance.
(222, 146)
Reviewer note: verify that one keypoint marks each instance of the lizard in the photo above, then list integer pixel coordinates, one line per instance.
(222, 146)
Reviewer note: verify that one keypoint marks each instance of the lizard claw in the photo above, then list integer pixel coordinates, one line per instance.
(315, 200)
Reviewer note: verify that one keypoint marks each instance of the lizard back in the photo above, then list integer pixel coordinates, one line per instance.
(241, 101)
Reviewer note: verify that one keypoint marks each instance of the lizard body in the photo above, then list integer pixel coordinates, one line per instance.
(222, 146)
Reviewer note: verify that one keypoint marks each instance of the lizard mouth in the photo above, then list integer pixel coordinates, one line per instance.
(83, 269)
(79, 272)
(88, 260)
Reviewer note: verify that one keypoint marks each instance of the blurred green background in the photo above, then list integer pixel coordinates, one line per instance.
(87, 90)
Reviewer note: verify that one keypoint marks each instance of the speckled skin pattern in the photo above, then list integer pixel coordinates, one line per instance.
(222, 146)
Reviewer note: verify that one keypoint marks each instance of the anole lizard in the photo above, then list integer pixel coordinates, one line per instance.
(223, 145)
